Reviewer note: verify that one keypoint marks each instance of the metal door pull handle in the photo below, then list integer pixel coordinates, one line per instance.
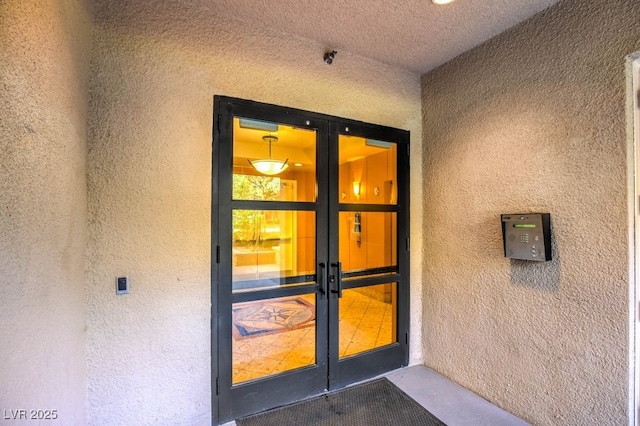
(337, 288)
(322, 278)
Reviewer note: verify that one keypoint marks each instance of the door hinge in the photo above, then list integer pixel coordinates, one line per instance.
(217, 254)
(217, 385)
(408, 150)
(406, 338)
(408, 244)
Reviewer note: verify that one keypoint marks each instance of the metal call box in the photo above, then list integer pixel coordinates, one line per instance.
(527, 236)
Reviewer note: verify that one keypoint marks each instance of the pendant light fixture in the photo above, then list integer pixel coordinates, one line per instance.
(270, 166)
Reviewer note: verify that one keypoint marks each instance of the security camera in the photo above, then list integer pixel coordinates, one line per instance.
(329, 56)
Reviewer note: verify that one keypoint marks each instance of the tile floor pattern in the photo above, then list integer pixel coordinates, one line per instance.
(365, 323)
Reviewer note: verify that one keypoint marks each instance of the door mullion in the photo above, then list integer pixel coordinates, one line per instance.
(333, 242)
(323, 248)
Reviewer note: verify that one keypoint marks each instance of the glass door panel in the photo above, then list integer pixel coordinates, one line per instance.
(367, 318)
(272, 336)
(368, 241)
(272, 248)
(367, 251)
(289, 150)
(367, 172)
(271, 314)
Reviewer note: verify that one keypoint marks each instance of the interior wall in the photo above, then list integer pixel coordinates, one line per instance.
(532, 121)
(44, 74)
(374, 245)
(156, 66)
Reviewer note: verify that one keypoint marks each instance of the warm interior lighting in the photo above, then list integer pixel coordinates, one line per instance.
(356, 189)
(442, 1)
(269, 166)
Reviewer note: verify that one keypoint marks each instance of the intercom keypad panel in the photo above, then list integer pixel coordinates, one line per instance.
(527, 236)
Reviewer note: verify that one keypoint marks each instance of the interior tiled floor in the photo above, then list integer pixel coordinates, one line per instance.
(364, 323)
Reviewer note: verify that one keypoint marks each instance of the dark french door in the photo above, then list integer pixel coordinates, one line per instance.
(310, 268)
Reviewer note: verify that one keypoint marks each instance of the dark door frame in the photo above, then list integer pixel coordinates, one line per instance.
(345, 371)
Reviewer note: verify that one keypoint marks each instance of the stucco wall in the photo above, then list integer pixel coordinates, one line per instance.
(532, 121)
(155, 69)
(44, 69)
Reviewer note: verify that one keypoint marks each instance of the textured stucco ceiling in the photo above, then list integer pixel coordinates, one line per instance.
(412, 34)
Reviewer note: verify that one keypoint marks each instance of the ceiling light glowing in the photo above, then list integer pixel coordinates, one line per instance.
(269, 166)
(442, 1)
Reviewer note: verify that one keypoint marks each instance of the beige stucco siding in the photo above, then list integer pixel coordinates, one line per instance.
(532, 121)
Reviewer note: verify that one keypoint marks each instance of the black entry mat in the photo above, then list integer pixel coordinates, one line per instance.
(375, 403)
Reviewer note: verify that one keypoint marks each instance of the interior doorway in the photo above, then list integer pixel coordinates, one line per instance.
(310, 235)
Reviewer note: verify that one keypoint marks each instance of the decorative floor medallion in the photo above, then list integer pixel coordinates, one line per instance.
(263, 317)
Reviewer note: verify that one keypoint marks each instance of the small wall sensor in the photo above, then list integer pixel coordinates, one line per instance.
(122, 285)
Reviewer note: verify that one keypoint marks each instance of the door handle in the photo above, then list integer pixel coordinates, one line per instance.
(336, 280)
(322, 279)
